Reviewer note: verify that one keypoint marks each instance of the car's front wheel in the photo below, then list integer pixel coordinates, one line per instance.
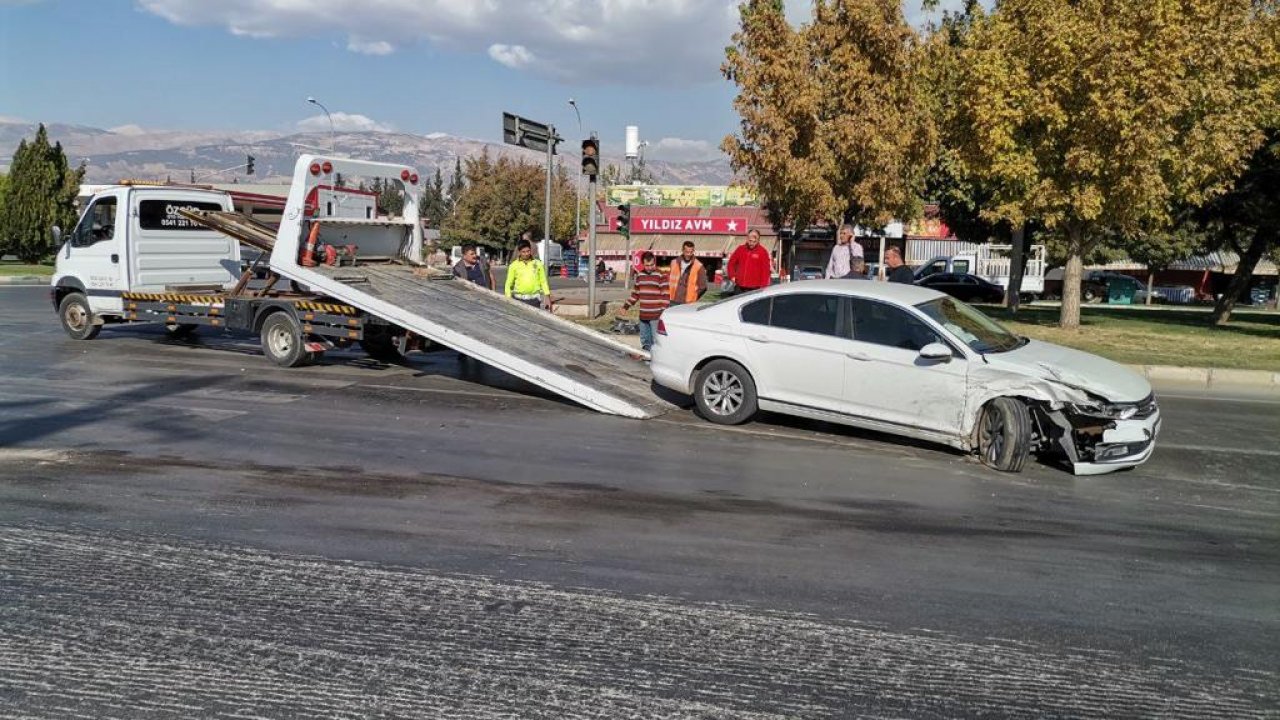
(1004, 434)
(725, 393)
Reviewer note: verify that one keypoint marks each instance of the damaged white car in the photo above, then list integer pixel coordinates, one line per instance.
(910, 361)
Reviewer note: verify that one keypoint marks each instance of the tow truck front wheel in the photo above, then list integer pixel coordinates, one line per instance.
(1004, 434)
(282, 341)
(77, 319)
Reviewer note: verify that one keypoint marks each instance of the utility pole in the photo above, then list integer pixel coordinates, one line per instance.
(591, 246)
(546, 211)
(577, 205)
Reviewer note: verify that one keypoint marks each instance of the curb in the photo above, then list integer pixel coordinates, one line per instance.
(25, 279)
(1209, 377)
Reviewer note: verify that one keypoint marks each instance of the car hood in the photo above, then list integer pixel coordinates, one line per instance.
(1081, 370)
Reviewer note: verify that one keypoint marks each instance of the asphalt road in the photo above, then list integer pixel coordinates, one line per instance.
(188, 531)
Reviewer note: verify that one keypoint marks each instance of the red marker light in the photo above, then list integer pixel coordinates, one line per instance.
(327, 167)
(413, 179)
(315, 168)
(404, 175)
(662, 327)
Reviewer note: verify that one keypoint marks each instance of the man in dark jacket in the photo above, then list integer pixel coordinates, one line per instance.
(898, 272)
(474, 269)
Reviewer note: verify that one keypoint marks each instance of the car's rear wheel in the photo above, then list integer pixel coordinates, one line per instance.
(1004, 434)
(725, 393)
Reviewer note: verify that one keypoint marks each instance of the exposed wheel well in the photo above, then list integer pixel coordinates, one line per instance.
(267, 312)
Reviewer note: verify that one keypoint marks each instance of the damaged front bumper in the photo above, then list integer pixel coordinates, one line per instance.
(1097, 440)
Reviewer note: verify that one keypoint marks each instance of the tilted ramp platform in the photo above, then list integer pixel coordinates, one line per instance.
(572, 361)
(534, 345)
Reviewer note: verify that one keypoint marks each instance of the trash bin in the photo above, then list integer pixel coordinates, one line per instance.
(1121, 290)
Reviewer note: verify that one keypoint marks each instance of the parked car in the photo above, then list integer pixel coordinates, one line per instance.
(809, 272)
(907, 360)
(1101, 285)
(964, 286)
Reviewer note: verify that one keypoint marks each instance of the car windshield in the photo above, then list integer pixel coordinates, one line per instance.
(971, 327)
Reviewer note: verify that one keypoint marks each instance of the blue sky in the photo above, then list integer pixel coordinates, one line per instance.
(418, 66)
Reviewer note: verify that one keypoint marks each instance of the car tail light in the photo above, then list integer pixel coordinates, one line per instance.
(327, 167)
(662, 327)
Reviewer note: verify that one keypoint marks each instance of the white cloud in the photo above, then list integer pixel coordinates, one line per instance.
(14, 119)
(370, 47)
(128, 130)
(675, 149)
(623, 41)
(344, 122)
(513, 56)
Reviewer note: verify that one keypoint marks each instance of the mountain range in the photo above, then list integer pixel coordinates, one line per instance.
(132, 152)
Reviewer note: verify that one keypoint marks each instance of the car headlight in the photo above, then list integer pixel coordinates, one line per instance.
(1110, 411)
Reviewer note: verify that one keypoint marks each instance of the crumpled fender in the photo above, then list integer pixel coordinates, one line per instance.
(987, 384)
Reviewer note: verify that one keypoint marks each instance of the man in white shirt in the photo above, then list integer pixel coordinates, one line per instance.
(842, 255)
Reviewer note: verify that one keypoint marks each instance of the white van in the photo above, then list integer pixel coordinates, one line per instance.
(132, 238)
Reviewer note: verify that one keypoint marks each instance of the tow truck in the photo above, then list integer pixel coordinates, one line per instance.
(170, 255)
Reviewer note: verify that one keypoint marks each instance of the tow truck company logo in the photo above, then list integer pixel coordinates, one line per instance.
(689, 225)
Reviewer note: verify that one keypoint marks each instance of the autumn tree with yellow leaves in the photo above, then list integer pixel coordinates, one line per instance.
(1104, 116)
(834, 120)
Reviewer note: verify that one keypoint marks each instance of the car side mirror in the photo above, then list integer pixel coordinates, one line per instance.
(57, 234)
(935, 351)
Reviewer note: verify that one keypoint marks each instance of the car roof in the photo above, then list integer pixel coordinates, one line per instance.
(901, 293)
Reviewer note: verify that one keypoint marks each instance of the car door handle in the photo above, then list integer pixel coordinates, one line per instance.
(758, 338)
(857, 356)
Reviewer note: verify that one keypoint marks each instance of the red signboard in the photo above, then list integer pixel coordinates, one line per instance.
(690, 225)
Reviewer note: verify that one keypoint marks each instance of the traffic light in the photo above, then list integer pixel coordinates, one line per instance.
(591, 157)
(624, 220)
(248, 167)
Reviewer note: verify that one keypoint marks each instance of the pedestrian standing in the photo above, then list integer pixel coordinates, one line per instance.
(749, 266)
(652, 293)
(898, 271)
(843, 254)
(473, 268)
(687, 277)
(527, 278)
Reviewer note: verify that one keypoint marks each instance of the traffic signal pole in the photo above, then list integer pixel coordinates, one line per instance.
(546, 214)
(591, 247)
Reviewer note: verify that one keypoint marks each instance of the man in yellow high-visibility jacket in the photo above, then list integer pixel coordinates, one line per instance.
(527, 278)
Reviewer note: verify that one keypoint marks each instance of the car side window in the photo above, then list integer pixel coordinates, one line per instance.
(968, 280)
(97, 224)
(756, 313)
(807, 312)
(940, 279)
(882, 324)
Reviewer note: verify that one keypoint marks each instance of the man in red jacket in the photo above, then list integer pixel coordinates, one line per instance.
(749, 265)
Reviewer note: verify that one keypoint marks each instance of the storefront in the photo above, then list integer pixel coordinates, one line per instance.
(715, 233)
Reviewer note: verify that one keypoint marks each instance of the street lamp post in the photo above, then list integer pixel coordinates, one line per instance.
(577, 205)
(333, 146)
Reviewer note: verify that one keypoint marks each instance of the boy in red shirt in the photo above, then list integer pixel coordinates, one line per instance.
(749, 266)
(652, 292)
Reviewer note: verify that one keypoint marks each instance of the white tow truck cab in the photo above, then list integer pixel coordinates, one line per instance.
(133, 238)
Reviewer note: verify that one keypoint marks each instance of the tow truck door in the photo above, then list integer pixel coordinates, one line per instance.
(95, 252)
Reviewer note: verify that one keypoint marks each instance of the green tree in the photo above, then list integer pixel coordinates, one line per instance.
(1095, 115)
(4, 231)
(504, 198)
(434, 205)
(834, 119)
(42, 191)
(1160, 249)
(457, 184)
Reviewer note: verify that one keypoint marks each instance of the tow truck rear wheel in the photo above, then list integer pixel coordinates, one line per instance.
(1004, 434)
(282, 341)
(77, 319)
